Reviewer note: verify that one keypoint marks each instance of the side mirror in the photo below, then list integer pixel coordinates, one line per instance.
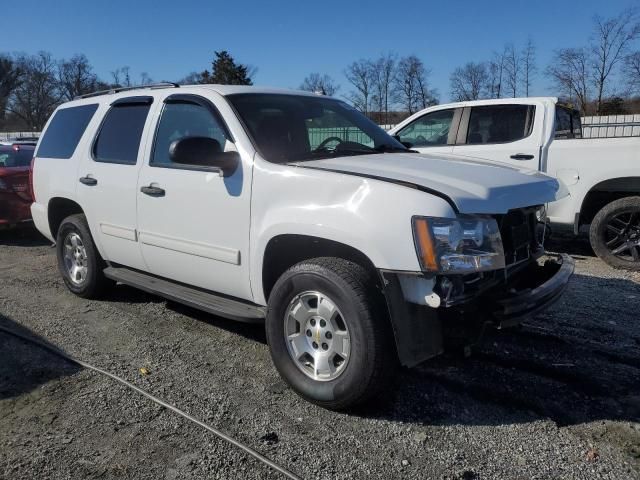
(406, 144)
(203, 152)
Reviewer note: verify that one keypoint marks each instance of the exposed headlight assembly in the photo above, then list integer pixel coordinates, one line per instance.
(458, 245)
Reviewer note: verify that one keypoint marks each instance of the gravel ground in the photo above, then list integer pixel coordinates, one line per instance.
(558, 398)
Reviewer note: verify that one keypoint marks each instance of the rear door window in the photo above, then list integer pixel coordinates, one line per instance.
(499, 124)
(120, 134)
(65, 130)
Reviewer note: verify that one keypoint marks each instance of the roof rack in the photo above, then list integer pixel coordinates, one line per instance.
(125, 89)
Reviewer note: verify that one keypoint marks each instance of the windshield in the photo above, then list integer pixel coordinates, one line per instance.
(15, 156)
(289, 128)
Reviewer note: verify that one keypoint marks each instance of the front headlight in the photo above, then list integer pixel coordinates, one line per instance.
(458, 245)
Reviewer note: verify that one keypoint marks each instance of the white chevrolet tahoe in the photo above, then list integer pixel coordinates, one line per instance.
(601, 174)
(295, 210)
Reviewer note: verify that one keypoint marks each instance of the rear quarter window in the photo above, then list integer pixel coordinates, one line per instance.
(65, 130)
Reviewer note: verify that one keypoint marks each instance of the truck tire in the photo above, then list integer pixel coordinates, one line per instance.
(328, 334)
(615, 233)
(79, 262)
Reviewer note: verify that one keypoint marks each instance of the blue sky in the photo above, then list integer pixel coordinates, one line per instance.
(286, 40)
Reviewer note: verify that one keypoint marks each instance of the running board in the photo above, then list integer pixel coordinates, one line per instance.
(191, 296)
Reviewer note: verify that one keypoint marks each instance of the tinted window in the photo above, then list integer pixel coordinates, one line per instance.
(120, 134)
(499, 123)
(64, 131)
(181, 120)
(16, 156)
(563, 123)
(429, 130)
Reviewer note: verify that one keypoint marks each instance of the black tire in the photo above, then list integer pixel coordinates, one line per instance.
(95, 284)
(608, 220)
(372, 356)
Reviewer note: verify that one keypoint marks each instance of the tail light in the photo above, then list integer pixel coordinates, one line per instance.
(31, 190)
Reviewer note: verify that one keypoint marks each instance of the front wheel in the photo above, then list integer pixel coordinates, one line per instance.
(615, 233)
(327, 332)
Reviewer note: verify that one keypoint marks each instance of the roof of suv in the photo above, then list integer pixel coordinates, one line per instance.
(114, 94)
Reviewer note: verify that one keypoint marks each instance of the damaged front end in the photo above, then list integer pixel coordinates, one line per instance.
(429, 308)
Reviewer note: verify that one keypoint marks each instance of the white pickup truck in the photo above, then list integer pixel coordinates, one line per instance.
(602, 175)
(294, 210)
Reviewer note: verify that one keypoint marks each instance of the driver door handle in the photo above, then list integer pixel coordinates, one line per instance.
(153, 191)
(522, 156)
(90, 181)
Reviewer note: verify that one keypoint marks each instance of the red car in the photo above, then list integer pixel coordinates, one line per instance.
(15, 194)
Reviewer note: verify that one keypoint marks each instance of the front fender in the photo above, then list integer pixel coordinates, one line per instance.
(372, 216)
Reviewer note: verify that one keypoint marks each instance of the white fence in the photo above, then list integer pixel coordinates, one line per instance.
(4, 136)
(610, 126)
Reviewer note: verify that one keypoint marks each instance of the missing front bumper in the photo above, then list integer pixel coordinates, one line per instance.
(419, 330)
(536, 289)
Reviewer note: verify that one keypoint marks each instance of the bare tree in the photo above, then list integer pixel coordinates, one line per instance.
(121, 77)
(192, 78)
(529, 67)
(9, 81)
(632, 72)
(145, 79)
(512, 69)
(360, 75)
(570, 71)
(495, 72)
(315, 82)
(38, 94)
(76, 77)
(610, 43)
(412, 85)
(384, 82)
(469, 82)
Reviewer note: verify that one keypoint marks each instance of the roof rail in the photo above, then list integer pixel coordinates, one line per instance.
(125, 89)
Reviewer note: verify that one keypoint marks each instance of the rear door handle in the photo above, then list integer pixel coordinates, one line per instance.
(90, 181)
(522, 156)
(153, 191)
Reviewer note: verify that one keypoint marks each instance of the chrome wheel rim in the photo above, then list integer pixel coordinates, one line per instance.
(622, 236)
(317, 336)
(75, 258)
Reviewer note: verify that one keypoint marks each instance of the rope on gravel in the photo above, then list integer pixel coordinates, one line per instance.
(257, 455)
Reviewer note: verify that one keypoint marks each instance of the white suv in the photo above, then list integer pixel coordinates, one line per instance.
(296, 210)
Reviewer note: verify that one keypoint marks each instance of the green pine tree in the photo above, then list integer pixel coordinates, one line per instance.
(225, 71)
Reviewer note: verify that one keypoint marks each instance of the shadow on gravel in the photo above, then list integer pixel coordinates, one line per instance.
(24, 366)
(23, 236)
(568, 243)
(250, 331)
(579, 362)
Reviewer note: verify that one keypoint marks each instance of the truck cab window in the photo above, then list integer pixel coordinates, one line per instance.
(499, 123)
(431, 129)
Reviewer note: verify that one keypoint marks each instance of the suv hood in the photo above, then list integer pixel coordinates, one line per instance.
(472, 186)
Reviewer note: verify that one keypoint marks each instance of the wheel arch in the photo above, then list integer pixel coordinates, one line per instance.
(285, 250)
(58, 209)
(604, 193)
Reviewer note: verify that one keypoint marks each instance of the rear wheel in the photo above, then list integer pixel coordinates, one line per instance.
(615, 233)
(79, 262)
(328, 336)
